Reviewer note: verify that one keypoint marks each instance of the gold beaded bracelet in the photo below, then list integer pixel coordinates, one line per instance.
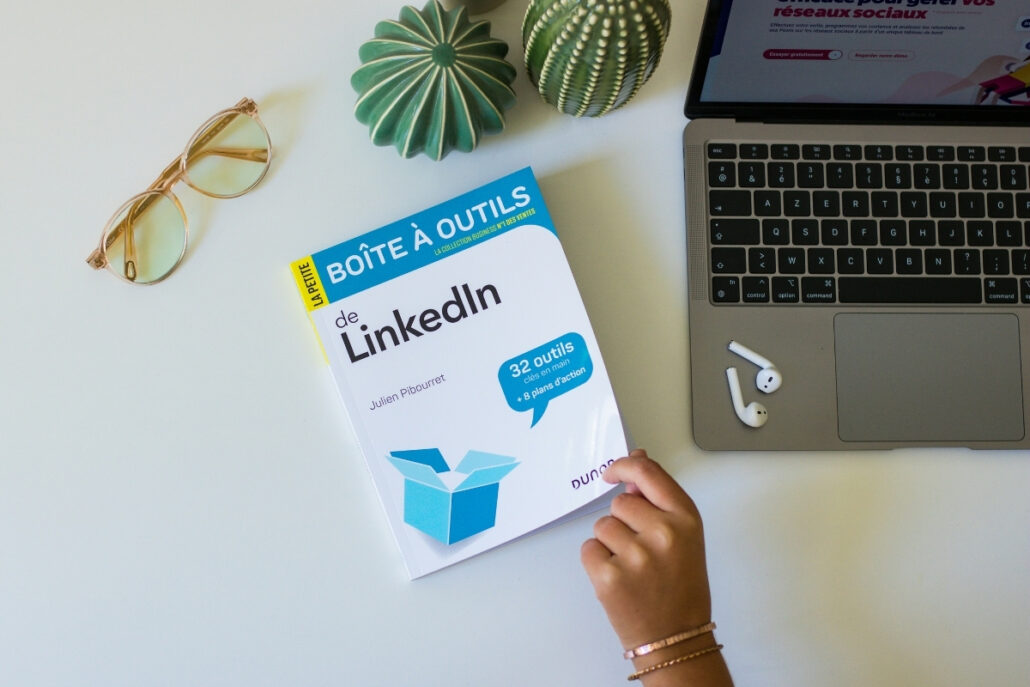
(645, 649)
(674, 661)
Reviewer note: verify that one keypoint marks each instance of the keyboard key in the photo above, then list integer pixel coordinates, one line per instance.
(730, 202)
(1008, 233)
(940, 153)
(1021, 262)
(996, 262)
(1013, 177)
(820, 261)
(1001, 154)
(884, 204)
(825, 203)
(815, 152)
(818, 290)
(926, 176)
(756, 289)
(980, 233)
(868, 175)
(938, 261)
(767, 203)
(722, 151)
(729, 260)
(892, 232)
(834, 232)
(840, 175)
(984, 177)
(761, 260)
(847, 152)
(898, 175)
(850, 261)
(804, 232)
(880, 261)
(967, 261)
(951, 233)
(879, 152)
(922, 233)
(1023, 205)
(797, 203)
(725, 289)
(754, 151)
(855, 203)
(909, 261)
(913, 204)
(955, 177)
(1001, 291)
(971, 205)
(810, 174)
(775, 232)
(1001, 205)
(751, 174)
(781, 174)
(722, 174)
(972, 153)
(943, 204)
(909, 153)
(791, 260)
(786, 290)
(785, 151)
(910, 290)
(738, 232)
(863, 232)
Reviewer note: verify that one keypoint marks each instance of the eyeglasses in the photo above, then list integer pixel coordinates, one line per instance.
(146, 238)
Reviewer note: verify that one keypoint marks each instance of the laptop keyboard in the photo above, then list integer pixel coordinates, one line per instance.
(873, 224)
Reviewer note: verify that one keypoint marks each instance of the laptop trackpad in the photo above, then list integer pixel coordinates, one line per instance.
(928, 377)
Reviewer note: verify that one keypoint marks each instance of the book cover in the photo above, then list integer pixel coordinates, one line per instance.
(469, 370)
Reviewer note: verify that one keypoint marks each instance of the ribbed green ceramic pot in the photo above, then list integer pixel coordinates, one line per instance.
(432, 82)
(588, 57)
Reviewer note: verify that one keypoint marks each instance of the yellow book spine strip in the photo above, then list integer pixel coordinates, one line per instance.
(309, 284)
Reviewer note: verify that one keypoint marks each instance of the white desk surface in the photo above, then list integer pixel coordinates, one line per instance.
(182, 502)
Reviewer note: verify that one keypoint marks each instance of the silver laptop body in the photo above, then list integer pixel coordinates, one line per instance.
(895, 314)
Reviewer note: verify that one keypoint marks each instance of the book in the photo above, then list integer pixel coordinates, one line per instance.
(469, 370)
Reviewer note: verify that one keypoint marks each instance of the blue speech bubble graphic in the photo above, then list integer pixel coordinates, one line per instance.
(532, 380)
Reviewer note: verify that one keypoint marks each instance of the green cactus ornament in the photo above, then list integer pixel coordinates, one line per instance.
(588, 57)
(432, 82)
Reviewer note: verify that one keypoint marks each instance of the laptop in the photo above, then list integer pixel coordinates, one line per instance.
(858, 224)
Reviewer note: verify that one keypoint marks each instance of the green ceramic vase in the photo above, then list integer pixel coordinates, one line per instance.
(432, 82)
(588, 57)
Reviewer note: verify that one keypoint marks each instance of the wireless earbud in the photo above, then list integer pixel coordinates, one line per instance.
(753, 414)
(769, 378)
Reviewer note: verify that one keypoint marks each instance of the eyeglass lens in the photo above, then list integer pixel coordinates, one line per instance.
(229, 156)
(147, 238)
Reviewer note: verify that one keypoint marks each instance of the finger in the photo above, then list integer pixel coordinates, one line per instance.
(637, 512)
(593, 554)
(630, 487)
(614, 534)
(651, 480)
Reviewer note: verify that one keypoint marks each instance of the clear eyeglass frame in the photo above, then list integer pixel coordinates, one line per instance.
(121, 230)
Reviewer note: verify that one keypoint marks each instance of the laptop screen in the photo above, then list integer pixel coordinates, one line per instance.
(943, 60)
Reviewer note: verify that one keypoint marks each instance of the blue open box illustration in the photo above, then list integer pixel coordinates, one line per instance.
(451, 513)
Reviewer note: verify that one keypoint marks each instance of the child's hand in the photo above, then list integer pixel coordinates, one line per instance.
(647, 562)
